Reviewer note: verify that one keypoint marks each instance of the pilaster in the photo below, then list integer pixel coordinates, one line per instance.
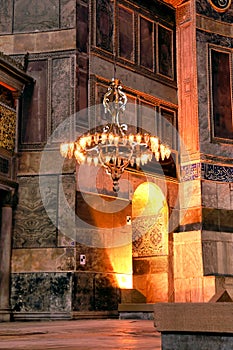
(5, 255)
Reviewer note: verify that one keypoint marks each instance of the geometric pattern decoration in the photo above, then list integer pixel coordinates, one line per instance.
(7, 128)
(150, 234)
(33, 227)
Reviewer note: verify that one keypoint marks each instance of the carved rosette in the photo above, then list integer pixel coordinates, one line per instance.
(220, 5)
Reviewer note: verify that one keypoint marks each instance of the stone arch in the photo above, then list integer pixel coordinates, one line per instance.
(150, 242)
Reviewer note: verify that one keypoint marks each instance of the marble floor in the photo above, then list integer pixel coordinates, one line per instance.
(80, 334)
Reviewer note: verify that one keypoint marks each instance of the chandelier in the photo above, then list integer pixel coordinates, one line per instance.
(114, 145)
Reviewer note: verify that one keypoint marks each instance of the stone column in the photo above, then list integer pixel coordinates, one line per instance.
(5, 257)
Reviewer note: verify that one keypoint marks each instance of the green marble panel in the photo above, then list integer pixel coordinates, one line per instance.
(34, 15)
(41, 292)
(6, 13)
(32, 225)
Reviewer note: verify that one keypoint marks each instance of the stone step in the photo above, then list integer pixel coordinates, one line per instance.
(132, 296)
(142, 311)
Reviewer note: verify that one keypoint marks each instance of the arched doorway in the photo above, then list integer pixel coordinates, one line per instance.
(150, 242)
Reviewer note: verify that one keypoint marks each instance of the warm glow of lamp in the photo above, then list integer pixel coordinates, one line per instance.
(124, 281)
(148, 199)
(112, 145)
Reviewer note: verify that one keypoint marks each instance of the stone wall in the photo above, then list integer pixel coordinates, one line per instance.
(214, 31)
(53, 226)
(30, 16)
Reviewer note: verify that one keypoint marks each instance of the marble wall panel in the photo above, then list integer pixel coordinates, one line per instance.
(197, 289)
(97, 259)
(208, 287)
(209, 194)
(94, 179)
(41, 260)
(53, 163)
(31, 15)
(187, 255)
(66, 209)
(32, 225)
(6, 16)
(67, 13)
(217, 250)
(107, 294)
(150, 277)
(196, 341)
(190, 217)
(41, 292)
(157, 288)
(95, 292)
(204, 8)
(190, 194)
(206, 145)
(223, 194)
(83, 292)
(231, 196)
(39, 42)
(61, 91)
(217, 219)
(33, 126)
(153, 286)
(172, 194)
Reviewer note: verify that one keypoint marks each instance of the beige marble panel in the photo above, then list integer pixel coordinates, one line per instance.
(136, 81)
(190, 194)
(66, 210)
(159, 264)
(217, 253)
(196, 289)
(182, 291)
(223, 196)
(200, 289)
(231, 195)
(157, 288)
(140, 284)
(188, 255)
(39, 42)
(173, 194)
(209, 194)
(53, 163)
(190, 216)
(208, 287)
(43, 260)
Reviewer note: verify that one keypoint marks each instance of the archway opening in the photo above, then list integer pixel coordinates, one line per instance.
(150, 242)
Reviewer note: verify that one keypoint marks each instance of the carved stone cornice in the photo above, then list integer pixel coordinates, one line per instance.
(12, 74)
(11, 61)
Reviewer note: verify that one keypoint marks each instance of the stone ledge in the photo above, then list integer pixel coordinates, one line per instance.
(194, 317)
(139, 307)
(139, 311)
(94, 314)
(40, 316)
